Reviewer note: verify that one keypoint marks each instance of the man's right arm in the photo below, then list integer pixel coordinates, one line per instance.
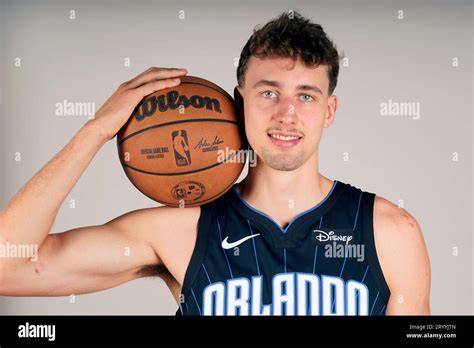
(82, 260)
(94, 258)
(29, 216)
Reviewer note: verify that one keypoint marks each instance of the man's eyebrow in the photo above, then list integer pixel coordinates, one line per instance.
(266, 83)
(276, 84)
(309, 88)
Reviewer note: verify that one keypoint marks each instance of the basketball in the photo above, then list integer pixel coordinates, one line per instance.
(183, 146)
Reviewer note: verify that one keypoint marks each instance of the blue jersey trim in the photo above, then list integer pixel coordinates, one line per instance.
(283, 230)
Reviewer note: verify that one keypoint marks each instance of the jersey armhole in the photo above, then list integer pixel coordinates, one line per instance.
(197, 257)
(369, 241)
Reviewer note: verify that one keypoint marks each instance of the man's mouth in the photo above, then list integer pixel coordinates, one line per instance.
(284, 139)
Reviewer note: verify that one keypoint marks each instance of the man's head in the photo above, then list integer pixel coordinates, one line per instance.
(286, 76)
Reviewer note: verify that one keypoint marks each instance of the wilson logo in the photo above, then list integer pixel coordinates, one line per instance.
(172, 100)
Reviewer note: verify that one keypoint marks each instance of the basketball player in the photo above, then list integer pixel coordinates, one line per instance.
(278, 243)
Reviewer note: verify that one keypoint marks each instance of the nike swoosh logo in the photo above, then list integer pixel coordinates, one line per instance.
(227, 245)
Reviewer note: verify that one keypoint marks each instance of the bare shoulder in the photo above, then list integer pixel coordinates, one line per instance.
(403, 257)
(397, 233)
(389, 216)
(171, 233)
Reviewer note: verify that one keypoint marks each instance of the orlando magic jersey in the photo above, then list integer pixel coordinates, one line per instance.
(322, 263)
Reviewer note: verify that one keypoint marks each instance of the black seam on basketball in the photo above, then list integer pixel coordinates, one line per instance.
(184, 173)
(175, 122)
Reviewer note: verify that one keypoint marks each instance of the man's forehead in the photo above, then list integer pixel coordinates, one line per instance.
(284, 68)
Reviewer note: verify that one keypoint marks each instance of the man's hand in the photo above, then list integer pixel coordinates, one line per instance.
(116, 111)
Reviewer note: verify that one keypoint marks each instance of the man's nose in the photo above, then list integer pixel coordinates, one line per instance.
(286, 112)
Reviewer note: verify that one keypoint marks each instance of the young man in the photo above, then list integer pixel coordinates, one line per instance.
(285, 241)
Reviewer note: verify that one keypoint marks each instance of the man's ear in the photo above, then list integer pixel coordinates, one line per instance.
(239, 100)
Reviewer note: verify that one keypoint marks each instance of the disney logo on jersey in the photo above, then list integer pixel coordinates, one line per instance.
(320, 236)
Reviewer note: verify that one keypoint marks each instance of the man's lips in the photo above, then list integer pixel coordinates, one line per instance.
(284, 139)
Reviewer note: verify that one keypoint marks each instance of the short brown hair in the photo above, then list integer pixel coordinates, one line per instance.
(291, 36)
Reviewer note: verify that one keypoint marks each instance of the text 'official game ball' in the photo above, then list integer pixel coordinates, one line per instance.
(183, 146)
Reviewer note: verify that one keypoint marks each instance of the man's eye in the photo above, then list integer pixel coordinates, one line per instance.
(268, 94)
(307, 97)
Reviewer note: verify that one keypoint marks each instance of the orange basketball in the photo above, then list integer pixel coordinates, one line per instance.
(183, 146)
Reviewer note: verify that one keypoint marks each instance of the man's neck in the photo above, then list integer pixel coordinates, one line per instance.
(284, 194)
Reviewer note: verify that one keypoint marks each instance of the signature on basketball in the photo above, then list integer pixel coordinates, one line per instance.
(205, 146)
(323, 236)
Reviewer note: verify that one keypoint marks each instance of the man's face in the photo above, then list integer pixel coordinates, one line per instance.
(286, 107)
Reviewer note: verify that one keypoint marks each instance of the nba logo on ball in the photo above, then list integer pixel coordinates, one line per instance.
(181, 148)
(169, 148)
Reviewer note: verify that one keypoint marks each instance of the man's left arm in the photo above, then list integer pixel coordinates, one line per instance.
(403, 257)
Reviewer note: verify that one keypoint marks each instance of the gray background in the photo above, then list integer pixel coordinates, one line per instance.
(82, 60)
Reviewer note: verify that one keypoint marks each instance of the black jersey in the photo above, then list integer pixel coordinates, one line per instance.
(323, 262)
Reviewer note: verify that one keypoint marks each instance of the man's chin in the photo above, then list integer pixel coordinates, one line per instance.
(285, 167)
(283, 162)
